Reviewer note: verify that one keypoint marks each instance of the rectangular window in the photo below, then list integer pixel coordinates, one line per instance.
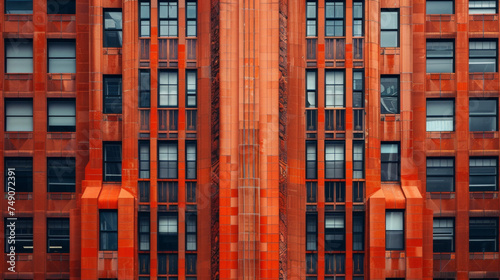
(335, 192)
(311, 89)
(144, 18)
(191, 230)
(167, 264)
(311, 231)
(334, 88)
(167, 231)
(482, 56)
(358, 160)
(61, 115)
(440, 56)
(20, 175)
(191, 88)
(144, 264)
(18, 6)
(483, 115)
(389, 95)
(144, 159)
(112, 162)
(311, 265)
(311, 160)
(18, 55)
(168, 18)
(334, 18)
(389, 28)
(168, 89)
(478, 7)
(440, 175)
(312, 192)
(168, 192)
(191, 15)
(440, 115)
(483, 174)
(358, 96)
(190, 159)
(64, 7)
(443, 236)
(19, 114)
(61, 56)
(389, 157)
(112, 28)
(357, 18)
(334, 265)
(311, 18)
(483, 234)
(191, 266)
(23, 230)
(167, 160)
(112, 94)
(144, 88)
(61, 174)
(358, 231)
(58, 235)
(358, 265)
(440, 7)
(394, 230)
(334, 160)
(144, 230)
(334, 232)
(108, 230)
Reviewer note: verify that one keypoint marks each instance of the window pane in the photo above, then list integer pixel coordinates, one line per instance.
(19, 115)
(434, 7)
(61, 174)
(112, 29)
(389, 92)
(18, 56)
(440, 115)
(483, 174)
(23, 169)
(18, 6)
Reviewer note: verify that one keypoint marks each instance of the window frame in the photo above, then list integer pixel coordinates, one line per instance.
(191, 164)
(481, 238)
(390, 161)
(311, 21)
(61, 128)
(50, 44)
(309, 161)
(482, 174)
(144, 22)
(358, 165)
(144, 231)
(436, 176)
(23, 232)
(334, 19)
(191, 231)
(21, 101)
(427, 8)
(11, 45)
(358, 231)
(191, 19)
(168, 241)
(24, 176)
(483, 59)
(144, 157)
(111, 99)
(191, 92)
(442, 116)
(65, 164)
(104, 233)
(483, 115)
(71, 5)
(7, 10)
(144, 88)
(335, 244)
(444, 235)
(441, 57)
(390, 30)
(169, 162)
(335, 163)
(311, 233)
(398, 231)
(168, 72)
(334, 86)
(168, 19)
(389, 81)
(107, 31)
(474, 12)
(105, 146)
(312, 90)
(64, 238)
(360, 103)
(356, 19)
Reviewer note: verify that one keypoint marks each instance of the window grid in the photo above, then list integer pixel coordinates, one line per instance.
(61, 56)
(112, 28)
(167, 160)
(24, 235)
(144, 231)
(191, 18)
(167, 231)
(311, 231)
(443, 235)
(58, 235)
(311, 18)
(168, 88)
(334, 231)
(191, 88)
(483, 115)
(334, 18)
(23, 174)
(334, 88)
(394, 230)
(112, 94)
(440, 56)
(440, 175)
(483, 174)
(144, 88)
(389, 95)
(112, 162)
(144, 18)
(440, 7)
(108, 230)
(143, 159)
(168, 16)
(483, 235)
(19, 114)
(389, 28)
(18, 55)
(61, 114)
(61, 174)
(191, 231)
(334, 160)
(483, 56)
(390, 161)
(440, 115)
(357, 18)
(358, 160)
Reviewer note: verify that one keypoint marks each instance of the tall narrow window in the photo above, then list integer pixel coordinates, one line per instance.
(144, 159)
(358, 231)
(394, 230)
(334, 18)
(334, 160)
(144, 88)
(20, 176)
(18, 55)
(443, 235)
(191, 229)
(440, 7)
(311, 160)
(483, 115)
(167, 264)
(19, 114)
(477, 7)
(389, 158)
(191, 88)
(483, 174)
(440, 115)
(389, 95)
(145, 18)
(61, 7)
(389, 28)
(358, 96)
(167, 160)
(190, 159)
(112, 162)
(191, 266)
(61, 174)
(440, 175)
(112, 28)
(23, 231)
(334, 88)
(311, 231)
(168, 18)
(61, 56)
(440, 56)
(335, 192)
(61, 115)
(18, 6)
(168, 89)
(167, 231)
(334, 265)
(58, 235)
(191, 13)
(143, 225)
(311, 265)
(334, 232)
(311, 18)
(311, 89)
(112, 94)
(108, 230)
(482, 56)
(483, 234)
(357, 18)
(358, 160)
(143, 264)
(312, 192)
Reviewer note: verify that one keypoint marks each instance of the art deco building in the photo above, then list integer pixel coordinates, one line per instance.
(250, 139)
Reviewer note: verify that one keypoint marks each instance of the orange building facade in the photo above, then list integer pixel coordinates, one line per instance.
(250, 139)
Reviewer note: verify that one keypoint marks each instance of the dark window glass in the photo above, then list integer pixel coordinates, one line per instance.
(440, 56)
(311, 263)
(334, 264)
(357, 18)
(144, 159)
(65, 7)
(335, 192)
(143, 224)
(168, 192)
(358, 160)
(191, 88)
(167, 160)
(358, 265)
(311, 231)
(191, 229)
(311, 89)
(311, 160)
(167, 264)
(61, 174)
(334, 160)
(19, 114)
(334, 88)
(394, 230)
(168, 18)
(440, 175)
(483, 234)
(191, 265)
(311, 18)
(389, 28)
(334, 18)
(145, 18)
(190, 159)
(143, 191)
(167, 231)
(190, 191)
(18, 55)
(482, 7)
(108, 230)
(482, 56)
(112, 162)
(440, 7)
(358, 96)
(112, 28)
(168, 89)
(144, 264)
(191, 18)
(440, 115)
(18, 6)
(61, 115)
(389, 95)
(144, 88)
(483, 174)
(61, 56)
(19, 171)
(443, 235)
(483, 115)
(334, 232)
(358, 231)
(58, 235)
(389, 161)
(23, 231)
(312, 192)
(112, 94)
